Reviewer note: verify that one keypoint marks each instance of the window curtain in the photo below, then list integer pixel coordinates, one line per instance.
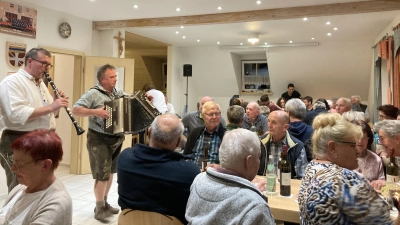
(396, 70)
(377, 81)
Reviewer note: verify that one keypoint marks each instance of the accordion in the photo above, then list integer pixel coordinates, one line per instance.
(129, 114)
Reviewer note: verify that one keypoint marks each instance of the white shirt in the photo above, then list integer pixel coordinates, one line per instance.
(171, 108)
(19, 96)
(17, 208)
(158, 100)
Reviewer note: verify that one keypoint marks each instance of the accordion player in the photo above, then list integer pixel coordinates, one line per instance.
(129, 114)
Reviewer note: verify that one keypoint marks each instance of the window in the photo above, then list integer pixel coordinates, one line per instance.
(255, 76)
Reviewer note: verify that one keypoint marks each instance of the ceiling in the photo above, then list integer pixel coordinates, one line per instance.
(354, 27)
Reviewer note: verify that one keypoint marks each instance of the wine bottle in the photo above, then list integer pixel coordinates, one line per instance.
(285, 173)
(206, 162)
(260, 131)
(392, 169)
(271, 177)
(253, 129)
(279, 168)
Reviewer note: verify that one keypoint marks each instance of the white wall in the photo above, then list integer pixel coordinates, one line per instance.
(330, 69)
(47, 34)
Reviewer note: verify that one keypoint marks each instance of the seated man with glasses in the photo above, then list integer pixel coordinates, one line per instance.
(40, 198)
(207, 137)
(26, 104)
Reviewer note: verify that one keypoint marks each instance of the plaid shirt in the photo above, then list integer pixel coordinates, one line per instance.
(210, 140)
(276, 150)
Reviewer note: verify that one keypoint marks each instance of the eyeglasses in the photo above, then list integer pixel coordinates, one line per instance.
(19, 166)
(213, 114)
(44, 64)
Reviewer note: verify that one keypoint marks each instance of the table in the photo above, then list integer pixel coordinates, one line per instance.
(285, 208)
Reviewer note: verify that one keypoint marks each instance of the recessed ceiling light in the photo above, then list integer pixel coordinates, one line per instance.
(241, 43)
(329, 34)
(328, 23)
(258, 2)
(218, 43)
(290, 41)
(198, 40)
(305, 18)
(265, 43)
(335, 28)
(184, 37)
(219, 8)
(312, 38)
(92, 0)
(135, 6)
(178, 9)
(182, 27)
(176, 32)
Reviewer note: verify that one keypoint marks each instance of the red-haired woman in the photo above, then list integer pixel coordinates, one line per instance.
(39, 198)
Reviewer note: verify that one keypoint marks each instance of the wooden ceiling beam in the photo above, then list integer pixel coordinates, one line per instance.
(257, 15)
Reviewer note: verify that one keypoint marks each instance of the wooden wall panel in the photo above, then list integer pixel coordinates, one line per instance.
(143, 72)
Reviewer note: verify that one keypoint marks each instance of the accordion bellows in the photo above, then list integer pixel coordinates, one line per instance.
(129, 114)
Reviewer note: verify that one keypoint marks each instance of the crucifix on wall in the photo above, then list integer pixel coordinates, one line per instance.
(120, 46)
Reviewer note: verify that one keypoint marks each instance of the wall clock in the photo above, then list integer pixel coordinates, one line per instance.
(65, 30)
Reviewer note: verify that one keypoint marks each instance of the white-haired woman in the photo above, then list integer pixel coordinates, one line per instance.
(389, 138)
(331, 192)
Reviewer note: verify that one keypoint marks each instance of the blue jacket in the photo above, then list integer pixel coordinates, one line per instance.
(155, 180)
(303, 132)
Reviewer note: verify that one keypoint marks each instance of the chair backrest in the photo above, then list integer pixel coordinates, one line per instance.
(138, 217)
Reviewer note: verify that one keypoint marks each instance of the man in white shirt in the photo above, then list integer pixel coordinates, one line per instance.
(26, 104)
(158, 97)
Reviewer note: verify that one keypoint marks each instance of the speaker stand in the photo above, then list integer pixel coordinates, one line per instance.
(185, 110)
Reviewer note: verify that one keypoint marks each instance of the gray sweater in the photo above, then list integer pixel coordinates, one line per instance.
(217, 198)
(54, 206)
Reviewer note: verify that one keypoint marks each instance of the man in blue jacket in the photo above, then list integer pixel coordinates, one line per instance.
(296, 109)
(155, 178)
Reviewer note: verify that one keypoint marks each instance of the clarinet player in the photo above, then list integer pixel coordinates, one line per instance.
(103, 148)
(26, 104)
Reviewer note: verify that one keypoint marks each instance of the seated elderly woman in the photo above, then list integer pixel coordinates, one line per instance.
(39, 198)
(369, 164)
(389, 138)
(331, 192)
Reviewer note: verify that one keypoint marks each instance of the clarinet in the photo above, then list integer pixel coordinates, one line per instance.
(79, 129)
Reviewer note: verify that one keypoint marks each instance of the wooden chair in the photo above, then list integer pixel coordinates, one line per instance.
(138, 217)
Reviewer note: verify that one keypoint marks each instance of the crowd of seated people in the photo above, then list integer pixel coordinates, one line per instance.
(328, 150)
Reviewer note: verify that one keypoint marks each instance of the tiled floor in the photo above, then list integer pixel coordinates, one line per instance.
(80, 187)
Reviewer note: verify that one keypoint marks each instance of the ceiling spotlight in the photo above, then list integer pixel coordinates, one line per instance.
(218, 43)
(135, 6)
(182, 27)
(241, 43)
(176, 32)
(265, 43)
(219, 8)
(328, 23)
(290, 41)
(198, 40)
(305, 18)
(253, 38)
(178, 9)
(329, 34)
(312, 38)
(92, 0)
(335, 28)
(184, 37)
(258, 2)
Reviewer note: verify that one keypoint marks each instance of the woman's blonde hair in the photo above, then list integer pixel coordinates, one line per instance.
(332, 127)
